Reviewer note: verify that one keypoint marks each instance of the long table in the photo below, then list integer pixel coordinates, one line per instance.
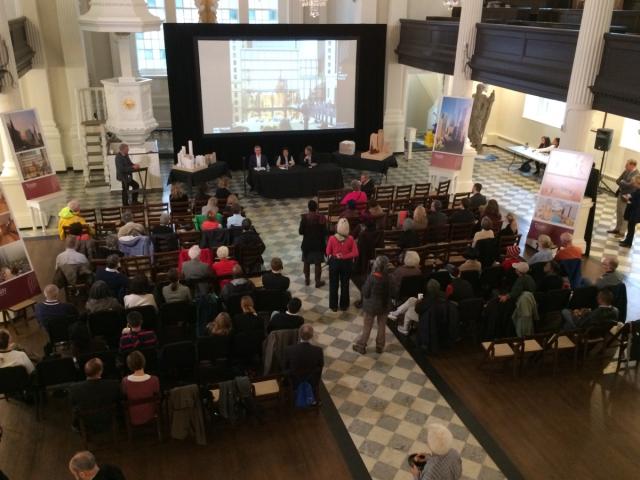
(526, 153)
(297, 181)
(196, 177)
(356, 162)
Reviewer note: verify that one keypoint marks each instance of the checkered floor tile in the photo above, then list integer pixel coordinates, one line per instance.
(385, 401)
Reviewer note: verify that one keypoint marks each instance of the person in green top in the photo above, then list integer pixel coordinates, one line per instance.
(524, 283)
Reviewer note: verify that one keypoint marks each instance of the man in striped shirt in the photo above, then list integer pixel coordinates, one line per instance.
(134, 336)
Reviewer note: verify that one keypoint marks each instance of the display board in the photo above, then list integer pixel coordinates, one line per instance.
(23, 129)
(561, 193)
(18, 281)
(451, 132)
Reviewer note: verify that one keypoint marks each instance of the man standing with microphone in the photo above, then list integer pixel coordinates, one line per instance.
(124, 173)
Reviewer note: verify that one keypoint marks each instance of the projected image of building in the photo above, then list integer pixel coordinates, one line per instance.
(284, 85)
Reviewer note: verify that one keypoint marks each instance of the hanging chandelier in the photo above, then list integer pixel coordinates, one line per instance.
(451, 3)
(314, 6)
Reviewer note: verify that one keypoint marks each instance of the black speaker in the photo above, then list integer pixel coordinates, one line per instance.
(604, 137)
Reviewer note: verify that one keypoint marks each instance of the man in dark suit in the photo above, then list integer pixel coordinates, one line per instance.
(477, 199)
(304, 361)
(464, 214)
(116, 281)
(124, 170)
(367, 185)
(92, 394)
(436, 217)
(258, 160)
(287, 320)
(249, 238)
(275, 280)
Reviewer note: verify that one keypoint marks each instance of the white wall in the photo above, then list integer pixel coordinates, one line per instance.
(420, 9)
(424, 91)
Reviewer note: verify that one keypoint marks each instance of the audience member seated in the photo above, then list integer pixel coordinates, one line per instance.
(116, 281)
(486, 232)
(350, 211)
(236, 219)
(222, 192)
(286, 320)
(177, 193)
(604, 314)
(202, 193)
(247, 320)
(224, 265)
(477, 200)
(275, 280)
(101, 299)
(84, 239)
(175, 291)
(512, 256)
(239, 285)
(373, 212)
(139, 295)
(413, 307)
(83, 466)
(140, 386)
(130, 228)
(409, 237)
(436, 217)
(443, 462)
(410, 268)
(356, 194)
(524, 283)
(71, 256)
(133, 336)
(304, 362)
(52, 307)
(211, 223)
(164, 226)
(93, 394)
(463, 214)
(69, 215)
(492, 210)
(231, 201)
(10, 356)
(610, 276)
(458, 289)
(285, 159)
(211, 203)
(250, 238)
(511, 226)
(221, 325)
(420, 219)
(82, 343)
(197, 272)
(545, 250)
(471, 263)
(567, 250)
(367, 186)
(552, 279)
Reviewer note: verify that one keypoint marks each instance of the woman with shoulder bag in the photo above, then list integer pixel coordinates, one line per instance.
(341, 252)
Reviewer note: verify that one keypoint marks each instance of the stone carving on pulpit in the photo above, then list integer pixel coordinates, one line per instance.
(207, 10)
(480, 111)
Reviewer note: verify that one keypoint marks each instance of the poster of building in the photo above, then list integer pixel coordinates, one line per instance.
(561, 191)
(18, 281)
(451, 132)
(23, 129)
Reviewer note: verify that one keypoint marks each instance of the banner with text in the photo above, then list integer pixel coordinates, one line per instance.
(18, 281)
(23, 130)
(451, 132)
(561, 192)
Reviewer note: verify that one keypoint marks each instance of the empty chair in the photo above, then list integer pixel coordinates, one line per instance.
(154, 210)
(89, 214)
(470, 315)
(421, 189)
(213, 348)
(403, 192)
(189, 239)
(502, 351)
(58, 328)
(443, 187)
(456, 201)
(246, 347)
(108, 325)
(385, 192)
(133, 266)
(180, 207)
(13, 380)
(110, 214)
(178, 362)
(55, 372)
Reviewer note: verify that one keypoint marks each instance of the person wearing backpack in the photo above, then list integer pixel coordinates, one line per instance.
(304, 363)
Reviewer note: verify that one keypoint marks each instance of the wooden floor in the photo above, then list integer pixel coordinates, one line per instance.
(284, 446)
(578, 424)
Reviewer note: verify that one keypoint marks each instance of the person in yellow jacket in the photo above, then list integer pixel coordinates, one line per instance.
(68, 215)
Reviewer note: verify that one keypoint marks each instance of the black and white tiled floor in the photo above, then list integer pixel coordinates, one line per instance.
(385, 400)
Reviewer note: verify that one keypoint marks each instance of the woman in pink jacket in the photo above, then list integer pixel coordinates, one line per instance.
(341, 252)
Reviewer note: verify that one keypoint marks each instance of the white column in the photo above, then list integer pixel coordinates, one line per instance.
(471, 13)
(395, 94)
(596, 20)
(10, 99)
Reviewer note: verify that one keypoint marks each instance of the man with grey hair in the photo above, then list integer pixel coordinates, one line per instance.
(124, 173)
(71, 256)
(130, 228)
(625, 187)
(436, 217)
(83, 466)
(610, 276)
(52, 308)
(196, 271)
(443, 463)
(303, 361)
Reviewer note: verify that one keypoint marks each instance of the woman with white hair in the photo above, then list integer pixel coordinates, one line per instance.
(224, 265)
(443, 463)
(341, 252)
(376, 298)
(487, 231)
(545, 250)
(410, 268)
(196, 271)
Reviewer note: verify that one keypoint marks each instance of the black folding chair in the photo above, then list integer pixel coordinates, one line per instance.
(107, 325)
(54, 372)
(178, 362)
(13, 380)
(270, 300)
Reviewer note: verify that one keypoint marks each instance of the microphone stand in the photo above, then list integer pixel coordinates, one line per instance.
(244, 175)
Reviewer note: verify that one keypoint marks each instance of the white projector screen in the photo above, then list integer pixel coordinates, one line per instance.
(277, 85)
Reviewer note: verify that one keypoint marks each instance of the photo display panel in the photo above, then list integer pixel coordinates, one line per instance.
(250, 86)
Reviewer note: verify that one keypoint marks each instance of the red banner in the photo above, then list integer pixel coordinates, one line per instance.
(41, 186)
(18, 290)
(449, 161)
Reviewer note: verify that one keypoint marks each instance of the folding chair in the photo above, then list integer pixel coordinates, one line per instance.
(54, 372)
(133, 266)
(385, 192)
(89, 214)
(443, 187)
(154, 210)
(189, 239)
(111, 215)
(403, 192)
(502, 350)
(456, 201)
(421, 190)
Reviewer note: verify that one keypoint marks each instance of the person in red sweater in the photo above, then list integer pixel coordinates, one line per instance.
(139, 386)
(341, 252)
(224, 265)
(211, 223)
(567, 250)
